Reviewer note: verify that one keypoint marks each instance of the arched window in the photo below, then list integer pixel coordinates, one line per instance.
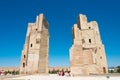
(36, 29)
(23, 65)
(89, 40)
(104, 69)
(24, 56)
(31, 45)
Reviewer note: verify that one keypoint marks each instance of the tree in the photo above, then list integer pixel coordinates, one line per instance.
(17, 72)
(13, 72)
(49, 72)
(9, 72)
(53, 71)
(118, 69)
(111, 71)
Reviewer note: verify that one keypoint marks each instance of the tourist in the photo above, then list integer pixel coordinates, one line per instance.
(63, 73)
(69, 73)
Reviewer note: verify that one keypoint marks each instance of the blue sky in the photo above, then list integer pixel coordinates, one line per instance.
(61, 15)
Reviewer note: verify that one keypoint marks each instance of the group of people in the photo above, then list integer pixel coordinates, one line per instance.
(64, 73)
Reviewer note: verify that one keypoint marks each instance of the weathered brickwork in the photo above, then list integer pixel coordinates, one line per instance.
(87, 54)
(34, 57)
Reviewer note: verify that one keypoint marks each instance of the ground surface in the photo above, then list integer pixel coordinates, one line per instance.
(55, 77)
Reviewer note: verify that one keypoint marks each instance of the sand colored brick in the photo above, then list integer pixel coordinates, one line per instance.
(34, 57)
(87, 54)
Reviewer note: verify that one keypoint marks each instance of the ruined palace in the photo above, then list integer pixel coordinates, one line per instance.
(87, 54)
(34, 58)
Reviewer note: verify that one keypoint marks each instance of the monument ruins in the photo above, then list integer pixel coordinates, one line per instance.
(34, 57)
(87, 54)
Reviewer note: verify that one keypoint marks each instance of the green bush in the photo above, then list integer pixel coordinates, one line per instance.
(53, 71)
(13, 72)
(17, 72)
(118, 69)
(111, 71)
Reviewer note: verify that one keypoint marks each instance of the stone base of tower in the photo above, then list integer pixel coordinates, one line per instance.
(85, 70)
(82, 62)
